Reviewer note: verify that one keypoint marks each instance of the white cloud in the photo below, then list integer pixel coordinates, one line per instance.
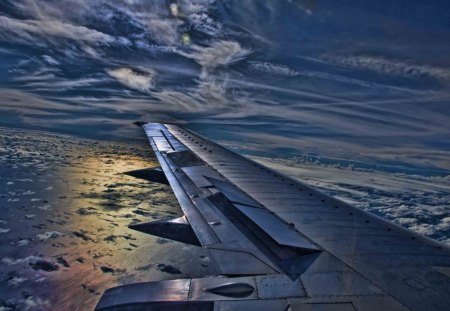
(35, 303)
(50, 60)
(28, 30)
(219, 53)
(204, 23)
(9, 261)
(142, 82)
(50, 83)
(406, 221)
(44, 207)
(273, 68)
(163, 31)
(16, 281)
(383, 65)
(23, 242)
(148, 16)
(48, 235)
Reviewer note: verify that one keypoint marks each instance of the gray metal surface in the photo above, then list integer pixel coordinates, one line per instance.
(201, 289)
(280, 231)
(279, 286)
(303, 249)
(345, 306)
(176, 290)
(198, 173)
(251, 305)
(347, 283)
(382, 252)
(239, 263)
(232, 193)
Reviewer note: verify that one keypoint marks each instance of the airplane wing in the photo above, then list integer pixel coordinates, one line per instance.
(277, 243)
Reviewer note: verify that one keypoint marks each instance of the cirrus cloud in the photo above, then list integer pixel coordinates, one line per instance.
(220, 53)
(132, 79)
(383, 65)
(28, 31)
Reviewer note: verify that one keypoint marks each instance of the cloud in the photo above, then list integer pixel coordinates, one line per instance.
(149, 19)
(386, 66)
(23, 242)
(142, 82)
(25, 103)
(320, 102)
(28, 30)
(61, 85)
(9, 261)
(48, 235)
(204, 23)
(163, 31)
(44, 207)
(273, 68)
(16, 281)
(219, 53)
(50, 60)
(35, 303)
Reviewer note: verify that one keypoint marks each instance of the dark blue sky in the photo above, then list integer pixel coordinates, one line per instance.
(361, 81)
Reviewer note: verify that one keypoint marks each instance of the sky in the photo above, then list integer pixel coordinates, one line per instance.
(359, 81)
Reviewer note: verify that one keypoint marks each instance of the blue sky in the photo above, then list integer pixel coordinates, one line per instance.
(359, 81)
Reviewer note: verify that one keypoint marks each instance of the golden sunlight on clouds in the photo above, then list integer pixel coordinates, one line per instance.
(68, 239)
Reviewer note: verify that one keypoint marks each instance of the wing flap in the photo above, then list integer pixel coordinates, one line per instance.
(200, 174)
(232, 193)
(281, 232)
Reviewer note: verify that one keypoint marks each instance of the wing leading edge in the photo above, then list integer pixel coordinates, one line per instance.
(278, 244)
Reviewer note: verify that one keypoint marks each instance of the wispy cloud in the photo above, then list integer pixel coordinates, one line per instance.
(387, 66)
(219, 53)
(271, 68)
(142, 82)
(27, 31)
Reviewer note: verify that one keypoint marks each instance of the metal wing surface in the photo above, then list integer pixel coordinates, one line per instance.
(278, 244)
